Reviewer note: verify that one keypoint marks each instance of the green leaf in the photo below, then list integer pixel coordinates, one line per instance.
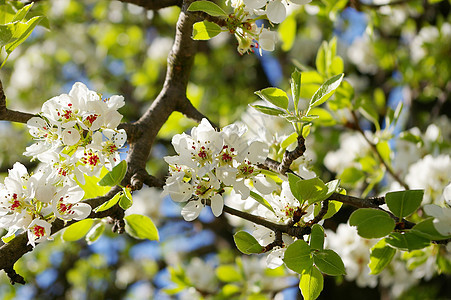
(384, 150)
(321, 63)
(287, 32)
(351, 176)
(77, 230)
(228, 273)
(297, 257)
(308, 118)
(6, 34)
(275, 96)
(332, 187)
(404, 203)
(326, 90)
(261, 200)
(407, 241)
(91, 188)
(21, 33)
(311, 284)
(325, 118)
(337, 66)
(115, 176)
(381, 255)
(311, 190)
(426, 229)
(296, 81)
(372, 223)
(95, 233)
(368, 110)
(246, 243)
(289, 140)
(125, 202)
(334, 207)
(268, 110)
(317, 237)
(110, 203)
(141, 227)
(329, 262)
(208, 7)
(21, 13)
(205, 30)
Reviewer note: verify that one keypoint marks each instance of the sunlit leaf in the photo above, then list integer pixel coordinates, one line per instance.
(246, 243)
(141, 227)
(372, 223)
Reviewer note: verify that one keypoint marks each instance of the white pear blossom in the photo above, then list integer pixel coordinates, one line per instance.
(209, 161)
(442, 218)
(38, 231)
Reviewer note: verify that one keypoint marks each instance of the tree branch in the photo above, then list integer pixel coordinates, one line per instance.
(154, 4)
(11, 115)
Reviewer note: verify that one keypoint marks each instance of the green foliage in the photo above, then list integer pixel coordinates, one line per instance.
(275, 96)
(426, 229)
(205, 30)
(246, 243)
(317, 237)
(326, 90)
(261, 200)
(95, 232)
(329, 262)
(298, 257)
(77, 230)
(115, 176)
(141, 227)
(311, 283)
(381, 255)
(208, 7)
(407, 241)
(372, 223)
(404, 203)
(15, 29)
(311, 190)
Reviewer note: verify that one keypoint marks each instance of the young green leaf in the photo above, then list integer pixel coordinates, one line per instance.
(77, 230)
(246, 243)
(261, 200)
(208, 7)
(297, 257)
(95, 233)
(228, 273)
(141, 227)
(372, 223)
(311, 284)
(110, 203)
(326, 90)
(275, 96)
(296, 79)
(381, 255)
(404, 203)
(289, 140)
(125, 202)
(205, 30)
(21, 32)
(317, 237)
(334, 207)
(115, 176)
(268, 110)
(329, 262)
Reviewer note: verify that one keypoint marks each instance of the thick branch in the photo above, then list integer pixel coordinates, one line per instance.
(290, 156)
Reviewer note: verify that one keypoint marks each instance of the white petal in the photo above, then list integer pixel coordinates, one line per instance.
(264, 185)
(71, 136)
(433, 210)
(267, 40)
(254, 4)
(275, 258)
(82, 211)
(217, 204)
(447, 194)
(192, 210)
(276, 11)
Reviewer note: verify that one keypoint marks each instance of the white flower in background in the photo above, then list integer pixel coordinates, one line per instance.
(431, 174)
(355, 253)
(202, 275)
(447, 195)
(352, 146)
(397, 277)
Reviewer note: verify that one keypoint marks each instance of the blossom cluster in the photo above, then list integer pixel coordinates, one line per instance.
(209, 161)
(76, 135)
(252, 36)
